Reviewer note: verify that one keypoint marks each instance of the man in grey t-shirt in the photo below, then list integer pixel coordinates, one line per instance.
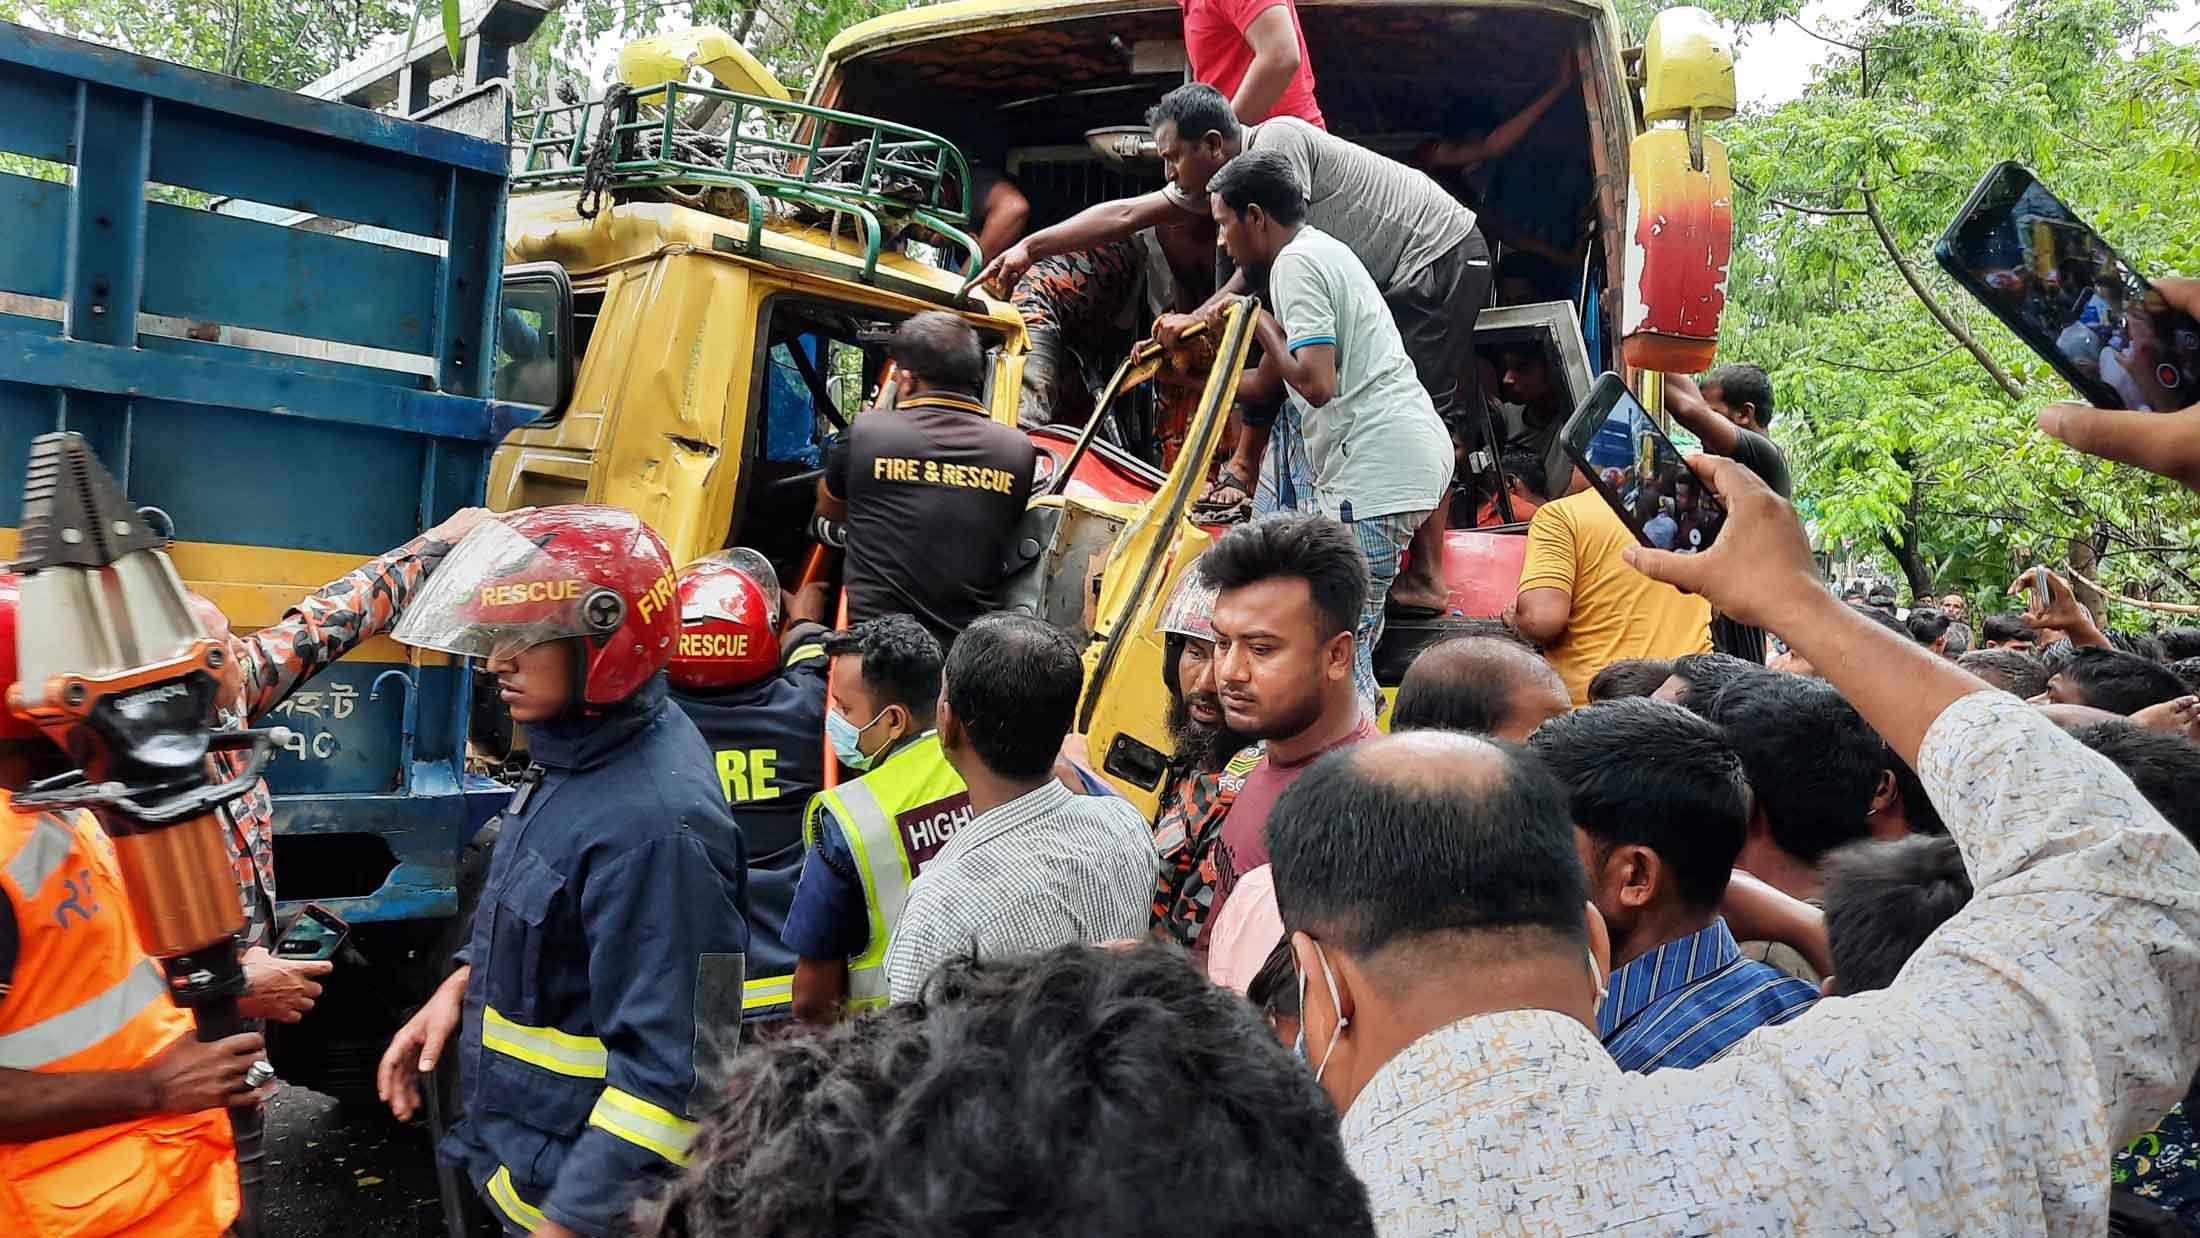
(1380, 455)
(1419, 245)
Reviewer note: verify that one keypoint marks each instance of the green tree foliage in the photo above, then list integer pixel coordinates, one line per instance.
(286, 43)
(280, 42)
(1908, 410)
(787, 35)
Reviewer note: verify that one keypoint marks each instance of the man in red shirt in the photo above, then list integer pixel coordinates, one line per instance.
(1291, 588)
(1254, 52)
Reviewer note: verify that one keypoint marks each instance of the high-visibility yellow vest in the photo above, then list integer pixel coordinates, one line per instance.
(86, 997)
(895, 818)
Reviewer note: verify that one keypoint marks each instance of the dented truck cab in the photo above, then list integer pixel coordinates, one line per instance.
(1616, 197)
(729, 315)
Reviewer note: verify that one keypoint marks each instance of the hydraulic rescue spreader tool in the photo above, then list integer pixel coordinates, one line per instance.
(114, 667)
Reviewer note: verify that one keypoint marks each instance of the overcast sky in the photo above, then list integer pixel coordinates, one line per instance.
(1776, 62)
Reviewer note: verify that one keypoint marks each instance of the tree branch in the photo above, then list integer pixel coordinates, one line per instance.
(1776, 200)
(1962, 335)
(1827, 38)
(2150, 550)
(1901, 369)
(1831, 212)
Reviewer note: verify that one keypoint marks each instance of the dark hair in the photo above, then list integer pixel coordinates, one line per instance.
(2119, 682)
(1408, 836)
(1196, 109)
(1520, 264)
(2012, 670)
(1315, 549)
(1012, 684)
(1959, 639)
(1264, 179)
(1884, 618)
(901, 660)
(1743, 383)
(2138, 643)
(2006, 628)
(1527, 466)
(1466, 683)
(1926, 626)
(2187, 669)
(2055, 654)
(941, 349)
(1649, 773)
(1883, 899)
(1812, 762)
(1630, 677)
(1707, 673)
(1918, 810)
(2165, 769)
(1274, 989)
(2180, 643)
(1020, 1096)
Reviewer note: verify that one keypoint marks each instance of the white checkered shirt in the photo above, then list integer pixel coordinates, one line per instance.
(1045, 869)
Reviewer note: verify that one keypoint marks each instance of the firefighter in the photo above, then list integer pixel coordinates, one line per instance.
(114, 1120)
(763, 716)
(605, 964)
(869, 838)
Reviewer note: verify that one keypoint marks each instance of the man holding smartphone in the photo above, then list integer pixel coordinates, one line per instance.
(2167, 443)
(1731, 411)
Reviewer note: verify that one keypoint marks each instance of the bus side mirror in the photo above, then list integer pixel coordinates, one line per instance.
(1680, 199)
(534, 353)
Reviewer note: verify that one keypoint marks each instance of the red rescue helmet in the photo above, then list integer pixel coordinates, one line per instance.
(11, 601)
(583, 570)
(728, 627)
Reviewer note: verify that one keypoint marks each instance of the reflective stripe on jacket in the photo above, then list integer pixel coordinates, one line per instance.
(895, 818)
(607, 969)
(768, 743)
(85, 997)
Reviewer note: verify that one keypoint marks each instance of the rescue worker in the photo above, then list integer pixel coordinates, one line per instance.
(264, 669)
(1207, 765)
(764, 719)
(114, 1124)
(931, 492)
(869, 838)
(605, 965)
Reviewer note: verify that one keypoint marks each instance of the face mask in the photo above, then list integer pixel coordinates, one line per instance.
(1596, 976)
(1343, 1021)
(847, 738)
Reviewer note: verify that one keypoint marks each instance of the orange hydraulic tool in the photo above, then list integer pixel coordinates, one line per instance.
(113, 666)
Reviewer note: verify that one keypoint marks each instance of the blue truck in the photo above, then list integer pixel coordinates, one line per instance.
(294, 397)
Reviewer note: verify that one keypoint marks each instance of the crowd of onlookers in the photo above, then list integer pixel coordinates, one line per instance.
(1894, 929)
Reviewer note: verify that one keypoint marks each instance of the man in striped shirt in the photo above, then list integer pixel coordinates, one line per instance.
(1659, 807)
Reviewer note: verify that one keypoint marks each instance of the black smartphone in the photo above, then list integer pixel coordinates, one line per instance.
(1639, 470)
(315, 936)
(2070, 297)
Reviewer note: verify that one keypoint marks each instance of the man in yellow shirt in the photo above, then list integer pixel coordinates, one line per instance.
(1586, 607)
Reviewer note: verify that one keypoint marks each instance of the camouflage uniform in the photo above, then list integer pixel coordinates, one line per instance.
(274, 662)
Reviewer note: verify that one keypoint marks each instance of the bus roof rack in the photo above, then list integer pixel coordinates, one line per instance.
(775, 156)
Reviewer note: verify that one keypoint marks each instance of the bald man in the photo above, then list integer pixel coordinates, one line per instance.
(1494, 685)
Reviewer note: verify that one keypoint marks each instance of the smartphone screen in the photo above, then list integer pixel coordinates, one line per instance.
(1639, 470)
(316, 935)
(2052, 279)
